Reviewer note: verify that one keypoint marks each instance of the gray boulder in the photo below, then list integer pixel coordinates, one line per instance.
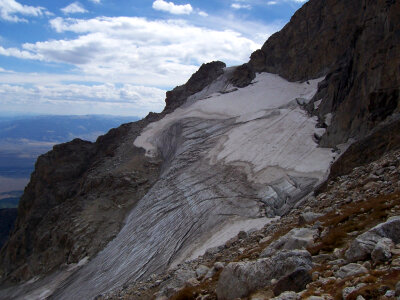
(201, 271)
(365, 243)
(351, 270)
(295, 281)
(297, 238)
(239, 279)
(382, 251)
(308, 217)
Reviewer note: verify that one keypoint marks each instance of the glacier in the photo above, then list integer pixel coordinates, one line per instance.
(233, 159)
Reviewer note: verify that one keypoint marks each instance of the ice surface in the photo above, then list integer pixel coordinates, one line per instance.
(271, 129)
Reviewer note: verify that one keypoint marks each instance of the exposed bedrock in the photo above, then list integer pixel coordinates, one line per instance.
(7, 220)
(356, 44)
(76, 202)
(203, 77)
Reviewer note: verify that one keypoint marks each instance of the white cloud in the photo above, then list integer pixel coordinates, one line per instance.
(83, 99)
(127, 53)
(240, 6)
(172, 7)
(95, 1)
(203, 13)
(14, 52)
(275, 2)
(166, 51)
(10, 9)
(74, 8)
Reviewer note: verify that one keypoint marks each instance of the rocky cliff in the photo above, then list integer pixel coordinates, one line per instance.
(7, 217)
(356, 46)
(233, 147)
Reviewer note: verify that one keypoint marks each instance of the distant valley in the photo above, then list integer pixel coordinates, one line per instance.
(24, 138)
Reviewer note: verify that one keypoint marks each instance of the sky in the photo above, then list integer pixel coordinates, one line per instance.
(120, 57)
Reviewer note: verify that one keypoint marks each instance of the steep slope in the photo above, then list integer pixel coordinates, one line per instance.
(356, 44)
(92, 184)
(7, 219)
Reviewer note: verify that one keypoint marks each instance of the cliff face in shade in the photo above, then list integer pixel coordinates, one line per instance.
(76, 201)
(356, 45)
(206, 74)
(7, 219)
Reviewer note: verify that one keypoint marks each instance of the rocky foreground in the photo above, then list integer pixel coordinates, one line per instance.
(343, 243)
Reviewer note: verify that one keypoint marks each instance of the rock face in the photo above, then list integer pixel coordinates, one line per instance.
(356, 44)
(7, 219)
(198, 81)
(76, 201)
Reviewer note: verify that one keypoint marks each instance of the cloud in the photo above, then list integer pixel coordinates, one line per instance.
(167, 52)
(131, 54)
(74, 8)
(14, 52)
(240, 6)
(95, 1)
(275, 2)
(172, 8)
(202, 13)
(9, 9)
(83, 99)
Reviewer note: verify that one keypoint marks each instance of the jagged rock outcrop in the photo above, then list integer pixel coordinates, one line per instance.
(7, 219)
(76, 201)
(356, 45)
(203, 77)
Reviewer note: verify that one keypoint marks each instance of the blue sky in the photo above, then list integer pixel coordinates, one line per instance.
(119, 57)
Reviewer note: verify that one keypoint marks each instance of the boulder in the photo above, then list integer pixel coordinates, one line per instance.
(297, 238)
(201, 271)
(348, 290)
(382, 250)
(365, 243)
(295, 282)
(351, 270)
(239, 279)
(308, 217)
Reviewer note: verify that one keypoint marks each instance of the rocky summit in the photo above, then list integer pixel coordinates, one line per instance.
(276, 179)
